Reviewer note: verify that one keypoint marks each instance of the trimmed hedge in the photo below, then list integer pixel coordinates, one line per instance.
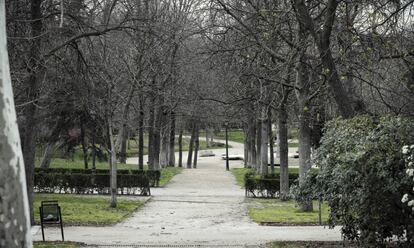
(268, 187)
(90, 183)
(153, 176)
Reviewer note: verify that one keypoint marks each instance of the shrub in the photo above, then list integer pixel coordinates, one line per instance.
(90, 183)
(363, 176)
(153, 176)
(268, 186)
(308, 190)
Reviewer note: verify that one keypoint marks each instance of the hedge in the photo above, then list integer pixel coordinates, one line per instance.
(153, 176)
(268, 186)
(90, 183)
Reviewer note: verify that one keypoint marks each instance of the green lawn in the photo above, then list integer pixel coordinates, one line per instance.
(47, 244)
(284, 212)
(239, 173)
(168, 173)
(236, 136)
(293, 145)
(89, 210)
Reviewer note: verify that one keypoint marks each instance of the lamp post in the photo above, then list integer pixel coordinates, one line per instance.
(227, 147)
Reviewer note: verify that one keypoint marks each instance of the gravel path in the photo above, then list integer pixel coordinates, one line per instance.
(200, 208)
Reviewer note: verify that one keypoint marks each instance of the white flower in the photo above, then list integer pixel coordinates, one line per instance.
(410, 172)
(412, 146)
(410, 203)
(405, 150)
(410, 164)
(405, 198)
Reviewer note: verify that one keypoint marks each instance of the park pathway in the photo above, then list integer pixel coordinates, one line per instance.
(201, 207)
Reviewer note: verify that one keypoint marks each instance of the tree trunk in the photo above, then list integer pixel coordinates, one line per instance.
(246, 146)
(302, 94)
(157, 139)
(123, 150)
(121, 141)
(112, 166)
(141, 135)
(171, 154)
(322, 40)
(35, 71)
(164, 145)
(84, 147)
(14, 206)
(283, 152)
(180, 149)
(258, 144)
(94, 150)
(47, 157)
(264, 149)
(196, 147)
(271, 150)
(252, 148)
(191, 146)
(207, 138)
(151, 135)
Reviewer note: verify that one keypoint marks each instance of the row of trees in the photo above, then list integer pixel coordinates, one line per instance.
(97, 73)
(306, 62)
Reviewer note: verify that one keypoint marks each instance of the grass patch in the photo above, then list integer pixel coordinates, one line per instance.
(168, 173)
(310, 244)
(293, 145)
(47, 244)
(236, 136)
(88, 210)
(284, 212)
(239, 173)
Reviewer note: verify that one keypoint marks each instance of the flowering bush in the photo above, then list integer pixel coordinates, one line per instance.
(408, 153)
(363, 176)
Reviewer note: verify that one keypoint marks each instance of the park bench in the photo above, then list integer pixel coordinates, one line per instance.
(276, 165)
(207, 154)
(233, 157)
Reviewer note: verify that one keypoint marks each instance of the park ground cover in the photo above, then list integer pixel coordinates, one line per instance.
(89, 210)
(277, 212)
(168, 173)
